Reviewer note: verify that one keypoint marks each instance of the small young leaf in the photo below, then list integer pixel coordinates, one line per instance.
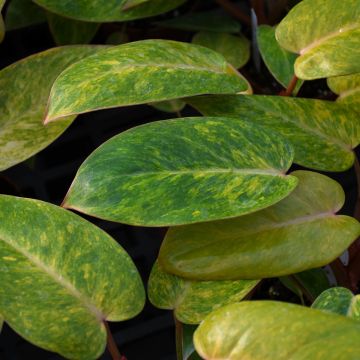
(326, 34)
(276, 330)
(298, 233)
(193, 300)
(347, 87)
(170, 106)
(213, 21)
(61, 277)
(279, 61)
(323, 133)
(235, 49)
(339, 301)
(66, 31)
(183, 171)
(141, 72)
(108, 10)
(24, 90)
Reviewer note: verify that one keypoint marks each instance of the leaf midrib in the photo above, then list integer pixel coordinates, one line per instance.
(58, 279)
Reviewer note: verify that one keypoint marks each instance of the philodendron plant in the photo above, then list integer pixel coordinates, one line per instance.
(222, 182)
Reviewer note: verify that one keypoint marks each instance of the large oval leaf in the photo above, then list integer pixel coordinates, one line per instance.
(267, 330)
(193, 300)
(279, 61)
(61, 277)
(323, 133)
(235, 49)
(326, 34)
(183, 171)
(108, 10)
(339, 301)
(347, 87)
(298, 233)
(141, 72)
(24, 90)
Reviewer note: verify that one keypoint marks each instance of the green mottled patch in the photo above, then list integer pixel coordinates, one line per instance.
(298, 233)
(141, 72)
(193, 300)
(67, 31)
(339, 300)
(261, 330)
(183, 171)
(61, 277)
(326, 34)
(347, 87)
(23, 13)
(322, 133)
(214, 21)
(279, 61)
(24, 90)
(170, 106)
(235, 49)
(108, 10)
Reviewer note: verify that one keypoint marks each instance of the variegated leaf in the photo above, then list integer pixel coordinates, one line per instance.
(347, 87)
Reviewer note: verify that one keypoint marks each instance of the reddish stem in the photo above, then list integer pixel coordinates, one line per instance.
(235, 11)
(111, 345)
(289, 90)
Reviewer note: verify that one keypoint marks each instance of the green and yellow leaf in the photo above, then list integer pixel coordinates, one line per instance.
(183, 171)
(298, 233)
(193, 300)
(347, 87)
(141, 72)
(61, 277)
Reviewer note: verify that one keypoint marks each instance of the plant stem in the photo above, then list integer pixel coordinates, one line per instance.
(289, 90)
(111, 345)
(179, 338)
(233, 10)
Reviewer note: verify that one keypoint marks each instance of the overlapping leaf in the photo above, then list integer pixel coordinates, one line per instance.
(347, 87)
(339, 300)
(326, 34)
(323, 133)
(108, 10)
(61, 277)
(193, 300)
(67, 31)
(276, 330)
(279, 61)
(24, 90)
(298, 233)
(235, 49)
(141, 72)
(183, 171)
(171, 106)
(213, 21)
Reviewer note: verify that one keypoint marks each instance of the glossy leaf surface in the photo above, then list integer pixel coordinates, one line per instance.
(347, 87)
(322, 133)
(24, 90)
(270, 330)
(67, 31)
(22, 13)
(193, 300)
(326, 34)
(339, 300)
(235, 49)
(279, 61)
(61, 277)
(183, 171)
(298, 233)
(214, 21)
(141, 72)
(108, 10)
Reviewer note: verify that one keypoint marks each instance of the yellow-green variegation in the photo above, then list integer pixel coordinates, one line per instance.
(339, 300)
(141, 72)
(61, 278)
(323, 133)
(326, 34)
(267, 330)
(298, 233)
(24, 91)
(193, 300)
(347, 87)
(183, 171)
